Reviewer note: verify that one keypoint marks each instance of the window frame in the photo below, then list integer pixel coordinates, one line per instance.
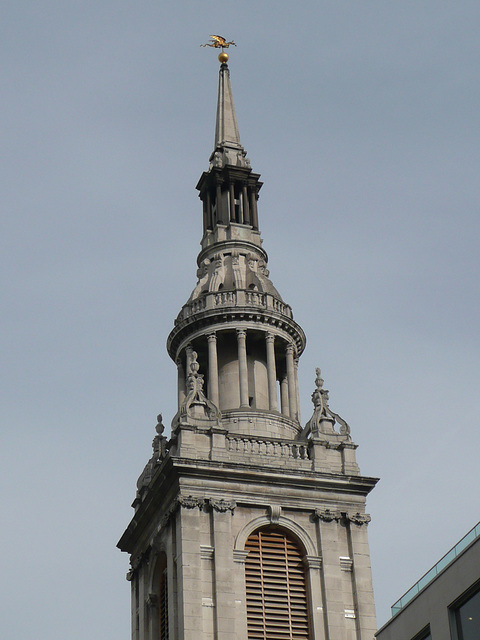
(455, 606)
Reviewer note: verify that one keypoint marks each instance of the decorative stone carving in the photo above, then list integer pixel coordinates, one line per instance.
(229, 272)
(323, 418)
(159, 446)
(262, 268)
(222, 506)
(274, 512)
(218, 273)
(136, 561)
(202, 275)
(238, 271)
(184, 502)
(159, 443)
(327, 515)
(189, 502)
(359, 518)
(217, 159)
(196, 405)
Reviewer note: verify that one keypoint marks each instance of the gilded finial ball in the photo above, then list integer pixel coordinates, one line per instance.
(223, 57)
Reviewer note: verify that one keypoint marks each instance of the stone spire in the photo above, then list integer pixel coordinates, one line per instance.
(228, 148)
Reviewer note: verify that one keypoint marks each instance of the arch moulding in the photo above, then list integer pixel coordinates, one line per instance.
(285, 523)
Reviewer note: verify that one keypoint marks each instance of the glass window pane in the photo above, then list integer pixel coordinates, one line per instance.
(468, 618)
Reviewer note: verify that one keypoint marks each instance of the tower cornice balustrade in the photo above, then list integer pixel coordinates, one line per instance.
(224, 310)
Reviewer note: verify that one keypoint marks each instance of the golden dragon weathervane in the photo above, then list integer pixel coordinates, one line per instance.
(219, 42)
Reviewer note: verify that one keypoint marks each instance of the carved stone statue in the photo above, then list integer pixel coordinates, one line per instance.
(218, 274)
(238, 271)
(202, 275)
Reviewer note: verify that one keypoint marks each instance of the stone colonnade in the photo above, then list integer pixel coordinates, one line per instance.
(287, 376)
(230, 203)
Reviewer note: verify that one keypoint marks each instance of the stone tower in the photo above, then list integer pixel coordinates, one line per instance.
(247, 524)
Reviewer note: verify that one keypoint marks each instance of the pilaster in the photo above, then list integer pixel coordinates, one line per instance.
(189, 588)
(224, 587)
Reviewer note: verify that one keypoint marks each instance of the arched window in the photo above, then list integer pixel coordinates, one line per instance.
(276, 587)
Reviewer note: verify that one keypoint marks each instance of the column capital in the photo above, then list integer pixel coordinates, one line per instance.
(290, 349)
(212, 337)
(241, 333)
(270, 337)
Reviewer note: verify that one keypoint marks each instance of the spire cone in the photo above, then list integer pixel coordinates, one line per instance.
(226, 130)
(227, 148)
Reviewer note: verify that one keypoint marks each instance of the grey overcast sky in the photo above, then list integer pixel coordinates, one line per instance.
(363, 119)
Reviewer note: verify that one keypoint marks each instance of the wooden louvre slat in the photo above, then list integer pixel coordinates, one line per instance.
(276, 587)
(163, 608)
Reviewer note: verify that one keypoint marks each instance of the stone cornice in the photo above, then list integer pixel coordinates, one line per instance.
(259, 474)
(241, 475)
(228, 317)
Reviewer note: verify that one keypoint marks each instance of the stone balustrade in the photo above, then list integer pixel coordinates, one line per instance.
(238, 298)
(268, 447)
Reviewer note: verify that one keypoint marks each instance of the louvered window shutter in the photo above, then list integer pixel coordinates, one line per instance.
(276, 587)
(163, 599)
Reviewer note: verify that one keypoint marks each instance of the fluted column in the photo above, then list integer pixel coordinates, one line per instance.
(242, 367)
(292, 390)
(181, 387)
(271, 372)
(284, 396)
(213, 369)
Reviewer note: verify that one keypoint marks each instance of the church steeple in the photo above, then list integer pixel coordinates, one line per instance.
(246, 525)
